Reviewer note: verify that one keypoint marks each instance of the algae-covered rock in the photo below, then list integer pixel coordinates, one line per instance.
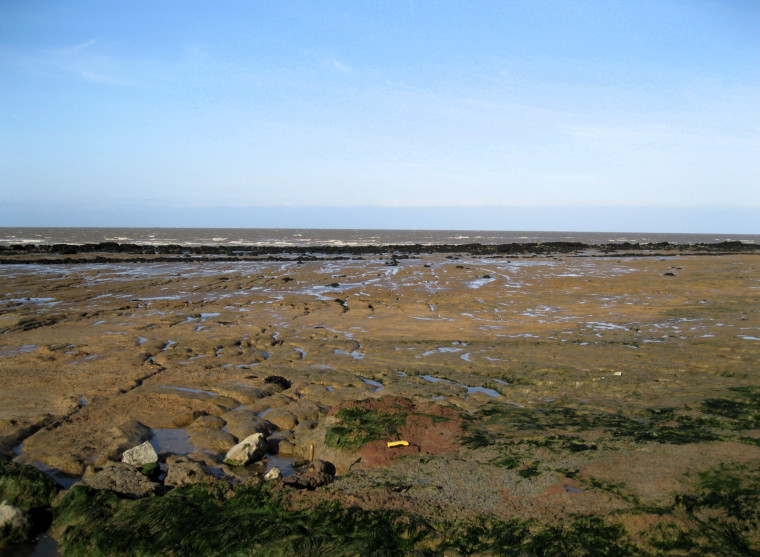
(310, 480)
(183, 471)
(250, 449)
(25, 486)
(15, 526)
(124, 479)
(322, 466)
(140, 455)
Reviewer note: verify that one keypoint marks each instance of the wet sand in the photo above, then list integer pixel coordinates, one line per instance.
(95, 358)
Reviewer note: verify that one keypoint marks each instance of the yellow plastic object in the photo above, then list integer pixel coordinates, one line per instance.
(397, 444)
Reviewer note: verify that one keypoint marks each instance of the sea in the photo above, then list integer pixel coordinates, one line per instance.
(286, 237)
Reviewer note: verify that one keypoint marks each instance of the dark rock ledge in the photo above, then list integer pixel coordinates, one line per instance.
(106, 252)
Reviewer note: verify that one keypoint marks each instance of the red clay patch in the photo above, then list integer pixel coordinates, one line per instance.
(429, 429)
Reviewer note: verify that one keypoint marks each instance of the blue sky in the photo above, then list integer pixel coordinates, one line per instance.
(637, 116)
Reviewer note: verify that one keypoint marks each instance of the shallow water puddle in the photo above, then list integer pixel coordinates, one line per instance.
(64, 480)
(189, 390)
(175, 441)
(44, 546)
(470, 390)
(477, 283)
(376, 384)
(443, 349)
(38, 301)
(285, 464)
(7, 351)
(354, 354)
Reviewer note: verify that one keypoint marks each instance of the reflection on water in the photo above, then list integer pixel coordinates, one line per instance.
(175, 441)
(45, 546)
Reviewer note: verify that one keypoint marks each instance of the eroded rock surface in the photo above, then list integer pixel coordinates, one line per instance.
(124, 479)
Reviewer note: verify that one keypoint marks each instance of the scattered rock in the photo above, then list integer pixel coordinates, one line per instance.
(243, 393)
(140, 455)
(15, 526)
(310, 480)
(183, 471)
(273, 474)
(274, 401)
(304, 426)
(242, 423)
(204, 458)
(307, 410)
(281, 442)
(250, 449)
(122, 478)
(207, 422)
(282, 418)
(322, 467)
(214, 440)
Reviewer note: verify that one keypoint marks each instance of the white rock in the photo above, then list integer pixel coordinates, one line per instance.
(140, 455)
(250, 449)
(273, 474)
(13, 522)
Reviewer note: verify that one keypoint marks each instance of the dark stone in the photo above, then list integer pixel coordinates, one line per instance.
(310, 480)
(322, 467)
(278, 380)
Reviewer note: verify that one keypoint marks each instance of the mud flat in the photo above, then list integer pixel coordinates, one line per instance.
(575, 396)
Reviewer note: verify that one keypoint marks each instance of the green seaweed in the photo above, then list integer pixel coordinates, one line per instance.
(721, 516)
(742, 414)
(530, 471)
(25, 486)
(584, 535)
(667, 425)
(208, 519)
(486, 536)
(359, 426)
(213, 519)
(30, 490)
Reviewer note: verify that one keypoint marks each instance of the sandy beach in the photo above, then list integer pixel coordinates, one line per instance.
(564, 385)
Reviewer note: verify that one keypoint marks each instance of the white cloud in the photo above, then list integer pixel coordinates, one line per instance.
(338, 66)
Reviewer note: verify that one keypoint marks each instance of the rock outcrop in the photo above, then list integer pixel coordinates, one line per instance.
(250, 449)
(124, 479)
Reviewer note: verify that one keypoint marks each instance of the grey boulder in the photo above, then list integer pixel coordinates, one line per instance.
(250, 449)
(140, 455)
